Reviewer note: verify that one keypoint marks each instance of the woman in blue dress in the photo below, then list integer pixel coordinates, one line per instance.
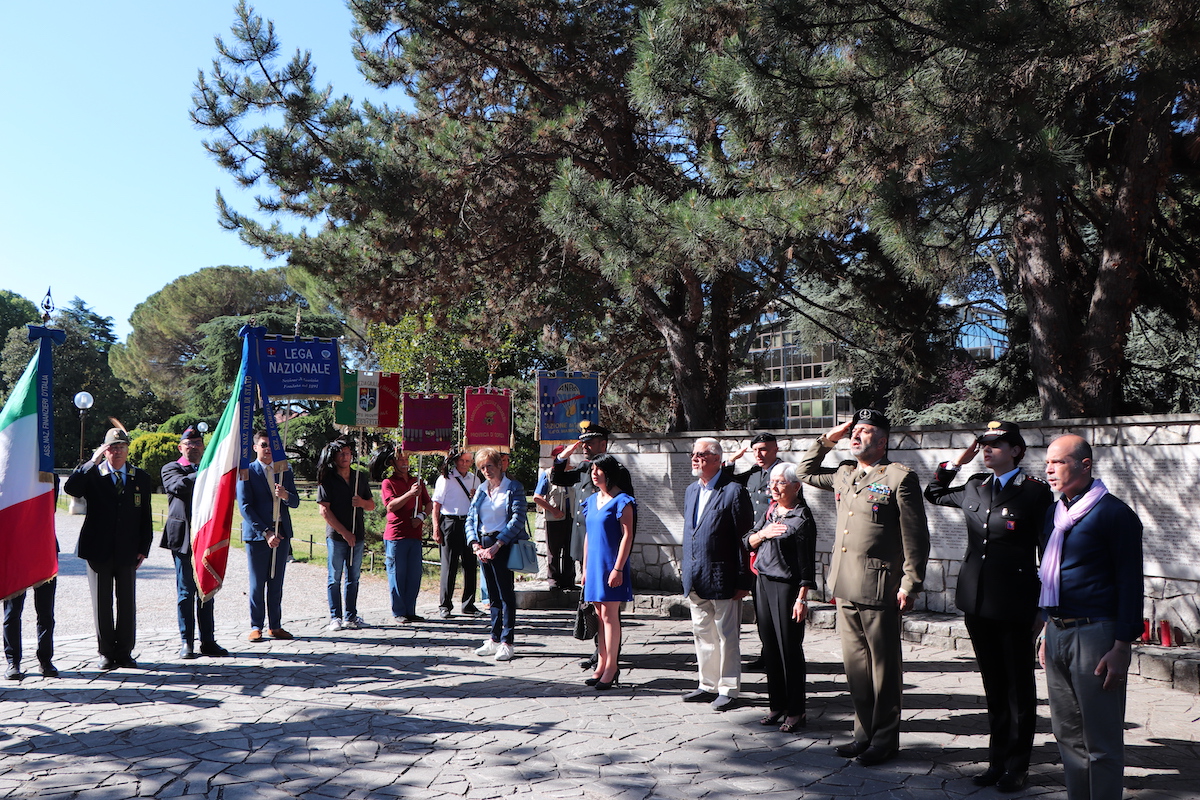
(611, 515)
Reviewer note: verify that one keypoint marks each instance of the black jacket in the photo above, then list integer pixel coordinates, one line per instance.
(178, 481)
(998, 578)
(118, 527)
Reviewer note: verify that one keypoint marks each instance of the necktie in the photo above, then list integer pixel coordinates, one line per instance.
(117, 479)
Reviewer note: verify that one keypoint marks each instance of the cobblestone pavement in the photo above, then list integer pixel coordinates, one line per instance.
(412, 712)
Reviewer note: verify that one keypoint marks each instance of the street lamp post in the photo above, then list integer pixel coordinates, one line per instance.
(83, 401)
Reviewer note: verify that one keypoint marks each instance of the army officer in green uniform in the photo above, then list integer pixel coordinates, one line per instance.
(879, 554)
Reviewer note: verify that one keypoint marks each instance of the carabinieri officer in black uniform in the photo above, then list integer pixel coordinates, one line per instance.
(998, 589)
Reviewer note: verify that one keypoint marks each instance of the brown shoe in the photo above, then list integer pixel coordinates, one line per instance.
(280, 633)
(255, 635)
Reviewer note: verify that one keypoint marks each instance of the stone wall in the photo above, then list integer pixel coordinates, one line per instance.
(1152, 463)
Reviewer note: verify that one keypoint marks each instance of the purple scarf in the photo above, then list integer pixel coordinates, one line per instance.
(1065, 518)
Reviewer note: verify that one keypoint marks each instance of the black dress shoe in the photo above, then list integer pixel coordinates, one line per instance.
(128, 662)
(852, 749)
(699, 696)
(107, 663)
(187, 652)
(213, 649)
(875, 755)
(989, 777)
(49, 670)
(1012, 781)
(755, 665)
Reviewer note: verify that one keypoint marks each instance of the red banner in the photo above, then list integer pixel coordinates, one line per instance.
(489, 417)
(428, 423)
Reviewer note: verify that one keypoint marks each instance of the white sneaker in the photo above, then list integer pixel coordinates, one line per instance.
(489, 648)
(349, 624)
(505, 653)
(354, 623)
(335, 624)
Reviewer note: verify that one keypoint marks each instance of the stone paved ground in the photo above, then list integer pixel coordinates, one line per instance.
(388, 712)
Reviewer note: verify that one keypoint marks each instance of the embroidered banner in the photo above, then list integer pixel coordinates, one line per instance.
(564, 400)
(428, 423)
(300, 367)
(488, 417)
(369, 399)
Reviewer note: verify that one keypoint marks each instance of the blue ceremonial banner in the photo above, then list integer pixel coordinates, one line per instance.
(253, 373)
(300, 367)
(45, 395)
(564, 400)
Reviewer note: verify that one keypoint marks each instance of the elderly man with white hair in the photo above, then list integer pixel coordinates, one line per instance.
(717, 512)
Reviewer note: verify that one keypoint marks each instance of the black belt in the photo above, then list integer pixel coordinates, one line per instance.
(1075, 622)
(454, 516)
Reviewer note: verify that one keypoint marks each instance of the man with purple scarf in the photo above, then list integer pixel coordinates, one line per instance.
(1092, 597)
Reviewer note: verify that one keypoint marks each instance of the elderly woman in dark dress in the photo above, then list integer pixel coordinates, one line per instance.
(785, 541)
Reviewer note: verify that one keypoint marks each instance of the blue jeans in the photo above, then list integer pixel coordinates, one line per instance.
(343, 559)
(190, 609)
(501, 590)
(403, 561)
(266, 593)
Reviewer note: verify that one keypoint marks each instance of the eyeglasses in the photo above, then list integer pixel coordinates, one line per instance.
(703, 456)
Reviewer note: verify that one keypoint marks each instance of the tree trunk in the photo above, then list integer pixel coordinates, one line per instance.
(1053, 336)
(1140, 179)
(681, 335)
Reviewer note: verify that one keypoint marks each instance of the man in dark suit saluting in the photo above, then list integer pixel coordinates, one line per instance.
(114, 540)
(717, 512)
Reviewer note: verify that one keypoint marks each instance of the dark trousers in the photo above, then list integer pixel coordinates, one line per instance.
(1004, 650)
(115, 635)
(43, 606)
(455, 552)
(874, 670)
(782, 645)
(191, 610)
(560, 567)
(503, 595)
(266, 593)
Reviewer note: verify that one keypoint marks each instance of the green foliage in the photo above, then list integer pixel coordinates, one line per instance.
(214, 369)
(181, 422)
(525, 192)
(166, 325)
(305, 436)
(80, 364)
(153, 451)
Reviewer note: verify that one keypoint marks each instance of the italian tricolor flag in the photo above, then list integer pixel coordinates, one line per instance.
(215, 493)
(28, 553)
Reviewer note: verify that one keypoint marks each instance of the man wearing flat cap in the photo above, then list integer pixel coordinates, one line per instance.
(178, 479)
(593, 440)
(114, 540)
(880, 550)
(1005, 511)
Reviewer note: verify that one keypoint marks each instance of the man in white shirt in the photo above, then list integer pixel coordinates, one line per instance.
(451, 499)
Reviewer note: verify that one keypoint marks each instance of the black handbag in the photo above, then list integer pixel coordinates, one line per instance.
(587, 624)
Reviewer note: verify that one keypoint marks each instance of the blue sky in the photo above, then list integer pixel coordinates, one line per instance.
(108, 192)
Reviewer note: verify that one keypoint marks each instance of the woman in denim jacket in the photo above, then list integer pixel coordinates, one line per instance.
(495, 520)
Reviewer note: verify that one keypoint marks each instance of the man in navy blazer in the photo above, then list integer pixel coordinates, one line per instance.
(266, 542)
(717, 512)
